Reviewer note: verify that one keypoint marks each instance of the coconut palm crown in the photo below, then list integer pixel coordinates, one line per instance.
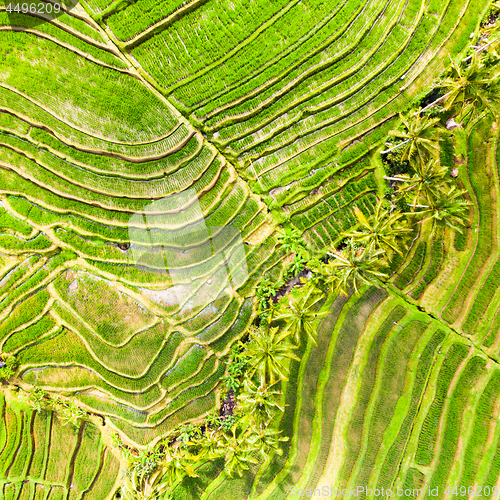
(448, 208)
(472, 88)
(427, 180)
(355, 266)
(420, 138)
(259, 402)
(268, 351)
(384, 229)
(298, 313)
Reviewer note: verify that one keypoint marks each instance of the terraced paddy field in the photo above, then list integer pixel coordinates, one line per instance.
(390, 399)
(43, 459)
(151, 153)
(294, 93)
(455, 276)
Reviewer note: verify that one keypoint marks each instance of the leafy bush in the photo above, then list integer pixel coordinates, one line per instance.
(9, 369)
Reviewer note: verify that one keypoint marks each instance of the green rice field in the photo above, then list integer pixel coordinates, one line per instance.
(152, 155)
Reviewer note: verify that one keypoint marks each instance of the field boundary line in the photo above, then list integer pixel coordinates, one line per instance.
(70, 48)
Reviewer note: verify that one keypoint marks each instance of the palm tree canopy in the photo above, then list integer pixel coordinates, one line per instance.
(259, 403)
(299, 314)
(474, 86)
(355, 266)
(420, 137)
(239, 455)
(449, 208)
(428, 179)
(267, 440)
(267, 353)
(152, 487)
(178, 464)
(384, 229)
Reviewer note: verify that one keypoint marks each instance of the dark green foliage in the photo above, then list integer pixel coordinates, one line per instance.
(447, 151)
(235, 366)
(460, 240)
(9, 369)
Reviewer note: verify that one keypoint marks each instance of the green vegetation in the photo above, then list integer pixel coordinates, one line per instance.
(40, 452)
(247, 248)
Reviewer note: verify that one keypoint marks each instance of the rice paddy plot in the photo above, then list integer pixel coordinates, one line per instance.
(273, 92)
(39, 453)
(142, 240)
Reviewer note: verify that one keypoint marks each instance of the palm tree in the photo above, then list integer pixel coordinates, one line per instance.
(68, 411)
(448, 208)
(298, 313)
(210, 444)
(429, 178)
(266, 440)
(355, 266)
(177, 464)
(38, 398)
(151, 487)
(384, 229)
(472, 87)
(259, 402)
(419, 138)
(290, 240)
(239, 454)
(267, 352)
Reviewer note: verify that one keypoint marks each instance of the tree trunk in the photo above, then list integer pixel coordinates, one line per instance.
(432, 104)
(395, 179)
(395, 147)
(479, 49)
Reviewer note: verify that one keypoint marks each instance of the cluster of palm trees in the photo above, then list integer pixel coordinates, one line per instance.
(255, 371)
(256, 368)
(366, 251)
(264, 363)
(470, 87)
(427, 189)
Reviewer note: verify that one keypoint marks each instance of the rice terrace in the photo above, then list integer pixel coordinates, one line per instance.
(249, 249)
